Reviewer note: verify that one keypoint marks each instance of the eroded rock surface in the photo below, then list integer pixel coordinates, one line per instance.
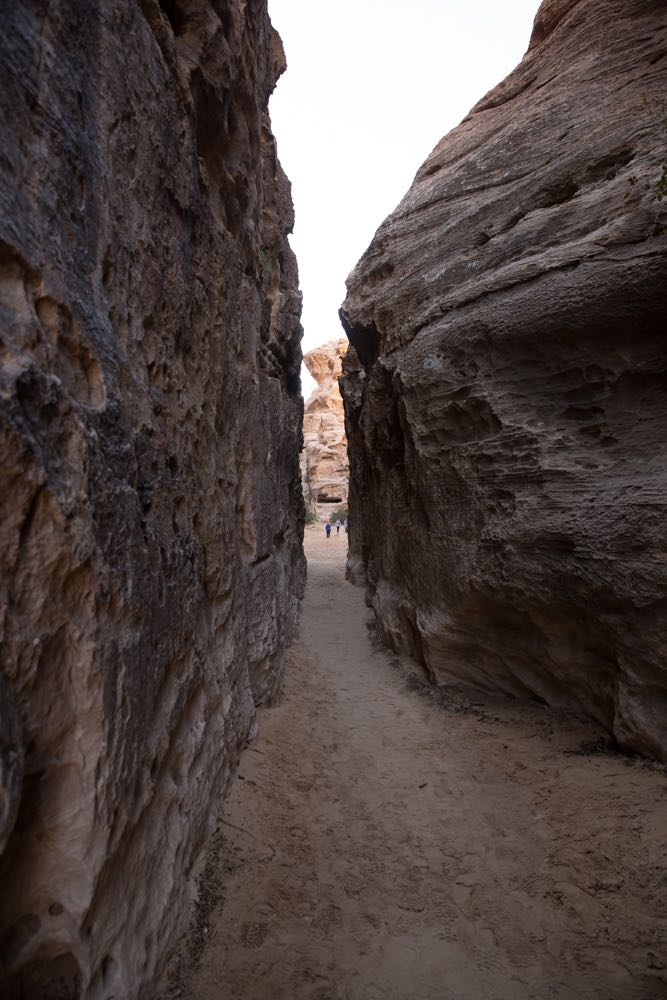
(151, 513)
(324, 463)
(508, 424)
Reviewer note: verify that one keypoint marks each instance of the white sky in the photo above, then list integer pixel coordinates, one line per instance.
(371, 87)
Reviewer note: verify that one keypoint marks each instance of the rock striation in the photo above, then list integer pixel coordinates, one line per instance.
(324, 463)
(151, 510)
(507, 422)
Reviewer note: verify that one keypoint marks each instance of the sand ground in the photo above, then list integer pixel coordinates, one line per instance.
(386, 843)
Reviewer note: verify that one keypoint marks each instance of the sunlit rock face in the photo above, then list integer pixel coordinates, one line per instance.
(324, 464)
(508, 423)
(151, 512)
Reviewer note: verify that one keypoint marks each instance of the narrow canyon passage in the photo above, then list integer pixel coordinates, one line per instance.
(385, 843)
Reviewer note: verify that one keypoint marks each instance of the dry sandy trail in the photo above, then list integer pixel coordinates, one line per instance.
(385, 846)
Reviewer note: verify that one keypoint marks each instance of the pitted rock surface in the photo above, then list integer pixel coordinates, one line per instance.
(324, 463)
(508, 422)
(151, 512)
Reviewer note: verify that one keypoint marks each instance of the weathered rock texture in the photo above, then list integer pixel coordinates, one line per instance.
(151, 512)
(324, 465)
(508, 428)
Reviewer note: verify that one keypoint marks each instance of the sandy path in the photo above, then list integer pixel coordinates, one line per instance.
(383, 846)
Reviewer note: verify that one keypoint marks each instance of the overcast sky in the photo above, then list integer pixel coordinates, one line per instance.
(371, 87)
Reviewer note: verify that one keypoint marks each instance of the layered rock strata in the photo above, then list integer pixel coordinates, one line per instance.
(324, 465)
(150, 421)
(508, 422)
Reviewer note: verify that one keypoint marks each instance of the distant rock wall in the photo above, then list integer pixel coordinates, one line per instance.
(151, 511)
(508, 423)
(324, 465)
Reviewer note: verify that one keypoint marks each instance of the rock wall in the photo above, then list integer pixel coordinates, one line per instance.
(151, 510)
(508, 424)
(324, 465)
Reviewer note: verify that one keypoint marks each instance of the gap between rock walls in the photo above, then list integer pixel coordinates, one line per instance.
(491, 433)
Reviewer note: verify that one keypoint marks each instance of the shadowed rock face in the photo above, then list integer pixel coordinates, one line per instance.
(151, 512)
(324, 464)
(507, 425)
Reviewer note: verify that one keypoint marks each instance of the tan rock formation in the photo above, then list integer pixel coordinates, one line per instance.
(324, 464)
(508, 428)
(151, 514)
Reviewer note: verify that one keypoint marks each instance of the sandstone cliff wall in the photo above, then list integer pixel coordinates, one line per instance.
(150, 419)
(324, 464)
(508, 424)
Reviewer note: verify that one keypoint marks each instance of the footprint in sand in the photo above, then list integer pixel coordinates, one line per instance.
(253, 934)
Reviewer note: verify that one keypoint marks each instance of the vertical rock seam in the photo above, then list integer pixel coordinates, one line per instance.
(324, 464)
(151, 512)
(507, 415)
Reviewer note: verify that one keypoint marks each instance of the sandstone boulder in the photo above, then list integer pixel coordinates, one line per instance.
(508, 423)
(324, 463)
(151, 513)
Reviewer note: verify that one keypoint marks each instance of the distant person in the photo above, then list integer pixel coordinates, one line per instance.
(337, 527)
(328, 529)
